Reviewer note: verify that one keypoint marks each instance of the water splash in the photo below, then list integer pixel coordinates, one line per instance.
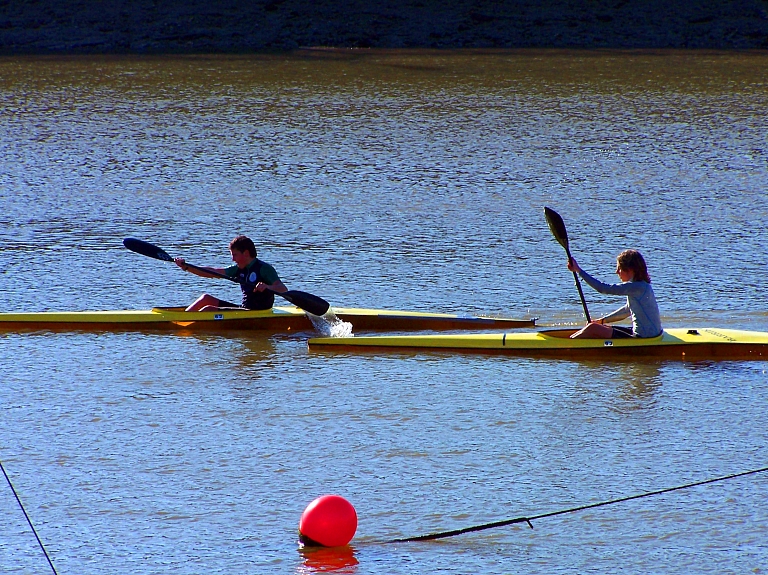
(329, 325)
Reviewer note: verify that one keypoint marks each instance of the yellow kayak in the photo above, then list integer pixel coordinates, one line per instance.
(277, 319)
(681, 343)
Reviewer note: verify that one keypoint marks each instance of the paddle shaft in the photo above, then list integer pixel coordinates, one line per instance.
(578, 286)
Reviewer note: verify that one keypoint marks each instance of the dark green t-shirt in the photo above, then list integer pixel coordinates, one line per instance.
(257, 271)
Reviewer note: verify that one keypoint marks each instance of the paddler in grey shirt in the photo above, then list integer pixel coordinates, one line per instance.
(641, 302)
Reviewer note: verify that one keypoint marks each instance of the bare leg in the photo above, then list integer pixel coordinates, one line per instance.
(204, 301)
(594, 330)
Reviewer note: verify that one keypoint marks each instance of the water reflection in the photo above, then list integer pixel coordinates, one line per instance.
(632, 385)
(257, 350)
(640, 381)
(247, 348)
(327, 559)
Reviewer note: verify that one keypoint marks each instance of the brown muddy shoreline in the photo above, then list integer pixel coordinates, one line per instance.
(231, 26)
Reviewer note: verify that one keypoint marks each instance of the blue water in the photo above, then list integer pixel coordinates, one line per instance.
(400, 180)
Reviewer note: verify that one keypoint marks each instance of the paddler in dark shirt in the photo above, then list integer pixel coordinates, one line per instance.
(255, 277)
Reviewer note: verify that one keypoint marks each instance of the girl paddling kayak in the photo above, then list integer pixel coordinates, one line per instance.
(641, 303)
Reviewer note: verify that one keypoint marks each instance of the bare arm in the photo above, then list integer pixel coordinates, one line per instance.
(199, 272)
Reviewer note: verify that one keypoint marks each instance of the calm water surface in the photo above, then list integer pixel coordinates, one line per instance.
(402, 180)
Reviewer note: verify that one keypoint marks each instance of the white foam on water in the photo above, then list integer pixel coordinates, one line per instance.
(331, 326)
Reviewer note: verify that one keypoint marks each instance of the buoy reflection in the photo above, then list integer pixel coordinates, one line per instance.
(340, 560)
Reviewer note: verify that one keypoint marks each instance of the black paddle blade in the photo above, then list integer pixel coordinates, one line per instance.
(146, 249)
(557, 226)
(306, 301)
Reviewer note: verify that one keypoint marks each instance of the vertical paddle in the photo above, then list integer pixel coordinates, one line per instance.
(557, 227)
(306, 301)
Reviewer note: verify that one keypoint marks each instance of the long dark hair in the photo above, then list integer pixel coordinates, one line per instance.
(632, 260)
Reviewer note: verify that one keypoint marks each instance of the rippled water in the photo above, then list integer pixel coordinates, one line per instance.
(403, 180)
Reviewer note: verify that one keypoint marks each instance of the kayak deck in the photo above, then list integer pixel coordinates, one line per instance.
(276, 319)
(692, 344)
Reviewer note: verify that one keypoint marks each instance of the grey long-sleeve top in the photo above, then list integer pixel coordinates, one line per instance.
(641, 304)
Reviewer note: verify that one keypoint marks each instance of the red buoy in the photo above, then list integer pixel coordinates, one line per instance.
(329, 521)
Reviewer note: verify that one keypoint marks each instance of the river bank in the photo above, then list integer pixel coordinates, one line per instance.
(148, 26)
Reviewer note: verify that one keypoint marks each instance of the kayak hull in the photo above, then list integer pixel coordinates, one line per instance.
(277, 319)
(681, 344)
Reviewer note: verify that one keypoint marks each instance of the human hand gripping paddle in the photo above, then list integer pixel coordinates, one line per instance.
(306, 301)
(557, 227)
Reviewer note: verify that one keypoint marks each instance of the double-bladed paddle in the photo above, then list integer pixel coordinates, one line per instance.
(557, 226)
(306, 301)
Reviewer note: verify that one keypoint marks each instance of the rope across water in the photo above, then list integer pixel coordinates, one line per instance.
(528, 520)
(8, 479)
(494, 524)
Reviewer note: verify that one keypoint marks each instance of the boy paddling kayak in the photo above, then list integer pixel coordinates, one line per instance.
(258, 280)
